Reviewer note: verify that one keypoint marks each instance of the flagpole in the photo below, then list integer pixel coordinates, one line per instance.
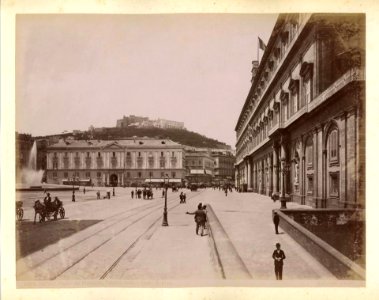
(258, 51)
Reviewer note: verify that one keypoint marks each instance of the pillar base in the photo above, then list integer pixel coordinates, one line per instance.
(164, 220)
(283, 203)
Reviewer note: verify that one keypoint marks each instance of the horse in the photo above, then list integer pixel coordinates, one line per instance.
(40, 209)
(46, 210)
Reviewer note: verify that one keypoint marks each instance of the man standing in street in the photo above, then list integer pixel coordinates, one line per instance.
(276, 222)
(278, 257)
(200, 218)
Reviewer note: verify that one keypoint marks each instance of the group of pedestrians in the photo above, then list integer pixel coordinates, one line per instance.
(106, 196)
(145, 193)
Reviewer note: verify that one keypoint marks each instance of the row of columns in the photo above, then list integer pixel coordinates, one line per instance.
(268, 174)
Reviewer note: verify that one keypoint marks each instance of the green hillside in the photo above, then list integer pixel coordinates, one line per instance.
(180, 136)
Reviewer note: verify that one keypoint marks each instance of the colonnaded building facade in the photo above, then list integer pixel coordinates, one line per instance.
(301, 131)
(117, 163)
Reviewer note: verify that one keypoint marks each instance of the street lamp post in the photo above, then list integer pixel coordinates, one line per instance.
(283, 195)
(165, 222)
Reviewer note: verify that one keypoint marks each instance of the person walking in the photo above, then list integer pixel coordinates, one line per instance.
(98, 194)
(132, 194)
(278, 257)
(73, 196)
(276, 220)
(84, 191)
(200, 218)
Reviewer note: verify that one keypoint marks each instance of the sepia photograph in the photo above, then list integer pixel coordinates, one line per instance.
(189, 150)
(252, 123)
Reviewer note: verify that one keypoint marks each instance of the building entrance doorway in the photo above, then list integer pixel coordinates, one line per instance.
(113, 180)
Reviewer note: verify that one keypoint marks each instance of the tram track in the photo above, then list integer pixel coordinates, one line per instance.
(95, 240)
(117, 261)
(86, 237)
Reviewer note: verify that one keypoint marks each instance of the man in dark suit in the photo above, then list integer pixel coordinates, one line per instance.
(278, 257)
(200, 218)
(276, 222)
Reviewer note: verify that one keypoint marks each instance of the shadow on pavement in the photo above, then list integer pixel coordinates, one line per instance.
(33, 237)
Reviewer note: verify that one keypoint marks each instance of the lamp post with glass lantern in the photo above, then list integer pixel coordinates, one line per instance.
(166, 181)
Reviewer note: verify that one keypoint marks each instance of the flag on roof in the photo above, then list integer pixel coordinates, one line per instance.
(261, 44)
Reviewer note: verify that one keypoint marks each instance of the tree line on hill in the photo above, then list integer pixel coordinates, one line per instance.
(181, 136)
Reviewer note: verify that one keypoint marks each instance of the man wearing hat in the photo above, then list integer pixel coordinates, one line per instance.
(278, 257)
(276, 222)
(47, 201)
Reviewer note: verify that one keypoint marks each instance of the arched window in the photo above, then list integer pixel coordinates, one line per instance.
(333, 158)
(309, 153)
(333, 146)
(306, 72)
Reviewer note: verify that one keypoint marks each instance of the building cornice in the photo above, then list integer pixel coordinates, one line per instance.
(278, 70)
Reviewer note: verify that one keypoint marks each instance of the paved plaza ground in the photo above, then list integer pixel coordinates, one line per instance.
(122, 239)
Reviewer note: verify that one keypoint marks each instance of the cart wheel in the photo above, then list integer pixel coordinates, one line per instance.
(41, 218)
(61, 212)
(20, 214)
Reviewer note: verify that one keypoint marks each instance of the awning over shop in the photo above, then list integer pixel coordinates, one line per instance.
(161, 180)
(200, 172)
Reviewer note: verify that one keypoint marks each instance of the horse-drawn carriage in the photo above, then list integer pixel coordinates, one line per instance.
(149, 194)
(19, 210)
(47, 210)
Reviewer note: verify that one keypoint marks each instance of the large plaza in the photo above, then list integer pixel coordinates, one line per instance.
(266, 187)
(123, 239)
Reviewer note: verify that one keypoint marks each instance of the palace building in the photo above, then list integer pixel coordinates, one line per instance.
(301, 131)
(118, 163)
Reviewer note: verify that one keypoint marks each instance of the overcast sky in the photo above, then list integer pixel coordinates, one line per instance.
(74, 71)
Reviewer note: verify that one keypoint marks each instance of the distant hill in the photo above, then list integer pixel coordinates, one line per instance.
(181, 136)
